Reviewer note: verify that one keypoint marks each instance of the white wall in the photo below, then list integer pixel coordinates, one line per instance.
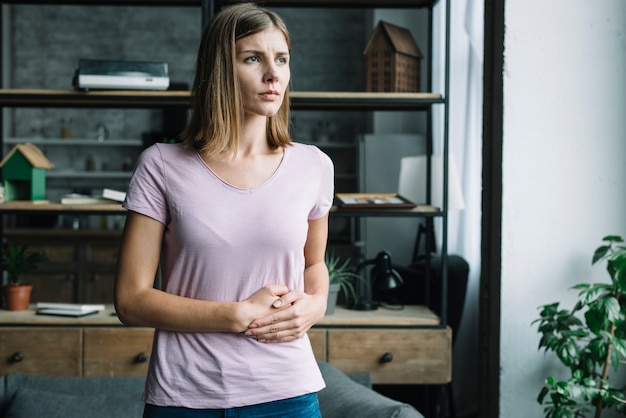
(564, 169)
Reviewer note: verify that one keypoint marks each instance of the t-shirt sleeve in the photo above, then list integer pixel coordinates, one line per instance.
(326, 187)
(146, 190)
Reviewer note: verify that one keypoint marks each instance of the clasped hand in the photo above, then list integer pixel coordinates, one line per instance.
(291, 314)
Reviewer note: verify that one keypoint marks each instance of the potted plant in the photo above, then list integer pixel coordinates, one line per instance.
(16, 260)
(592, 348)
(341, 277)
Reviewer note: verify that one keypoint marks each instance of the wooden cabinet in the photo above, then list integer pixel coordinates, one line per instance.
(41, 350)
(116, 351)
(318, 340)
(393, 355)
(80, 267)
(404, 346)
(392, 345)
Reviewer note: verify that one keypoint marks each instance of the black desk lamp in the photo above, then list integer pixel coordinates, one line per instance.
(382, 277)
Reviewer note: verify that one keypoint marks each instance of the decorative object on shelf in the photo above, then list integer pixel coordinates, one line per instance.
(24, 172)
(382, 277)
(66, 127)
(373, 201)
(90, 164)
(413, 181)
(341, 277)
(16, 260)
(592, 350)
(102, 132)
(393, 60)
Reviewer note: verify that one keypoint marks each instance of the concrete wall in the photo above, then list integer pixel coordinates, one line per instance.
(45, 44)
(564, 178)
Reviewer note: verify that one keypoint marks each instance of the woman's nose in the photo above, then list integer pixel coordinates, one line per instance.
(271, 74)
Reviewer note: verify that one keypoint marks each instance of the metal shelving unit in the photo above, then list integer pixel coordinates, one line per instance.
(336, 101)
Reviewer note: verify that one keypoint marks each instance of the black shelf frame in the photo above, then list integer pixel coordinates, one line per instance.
(299, 101)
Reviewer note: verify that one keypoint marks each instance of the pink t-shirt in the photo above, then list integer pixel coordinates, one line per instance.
(224, 243)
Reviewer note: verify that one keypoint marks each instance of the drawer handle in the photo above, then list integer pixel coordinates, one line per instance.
(17, 357)
(386, 358)
(141, 358)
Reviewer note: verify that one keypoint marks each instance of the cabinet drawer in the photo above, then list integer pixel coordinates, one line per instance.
(44, 351)
(117, 351)
(55, 252)
(411, 356)
(318, 342)
(103, 252)
(52, 286)
(98, 287)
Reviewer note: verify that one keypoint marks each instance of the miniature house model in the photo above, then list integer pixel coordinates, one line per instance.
(392, 60)
(24, 173)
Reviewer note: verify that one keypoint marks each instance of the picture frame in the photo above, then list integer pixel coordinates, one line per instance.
(373, 201)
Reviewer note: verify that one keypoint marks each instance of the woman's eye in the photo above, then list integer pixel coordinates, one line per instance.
(252, 59)
(282, 60)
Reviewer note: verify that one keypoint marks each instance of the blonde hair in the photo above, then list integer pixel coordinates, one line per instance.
(216, 104)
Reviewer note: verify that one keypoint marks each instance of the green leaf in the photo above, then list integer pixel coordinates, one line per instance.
(619, 345)
(568, 353)
(611, 308)
(598, 348)
(596, 321)
(548, 341)
(600, 253)
(618, 264)
(613, 238)
(542, 394)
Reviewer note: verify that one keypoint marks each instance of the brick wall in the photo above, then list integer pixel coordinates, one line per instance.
(46, 43)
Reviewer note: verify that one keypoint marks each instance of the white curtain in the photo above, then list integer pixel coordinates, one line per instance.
(465, 143)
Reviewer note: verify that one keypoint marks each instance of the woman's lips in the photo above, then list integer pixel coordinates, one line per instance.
(270, 95)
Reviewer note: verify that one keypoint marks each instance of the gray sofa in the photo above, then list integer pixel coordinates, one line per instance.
(28, 396)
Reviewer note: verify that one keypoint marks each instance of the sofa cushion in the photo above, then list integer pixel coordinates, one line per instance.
(29, 403)
(343, 397)
(76, 386)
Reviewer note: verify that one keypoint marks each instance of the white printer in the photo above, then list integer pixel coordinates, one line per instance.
(121, 75)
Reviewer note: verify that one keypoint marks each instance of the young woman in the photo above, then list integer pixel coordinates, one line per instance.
(237, 218)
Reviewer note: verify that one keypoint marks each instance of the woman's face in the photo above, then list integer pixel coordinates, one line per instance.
(262, 66)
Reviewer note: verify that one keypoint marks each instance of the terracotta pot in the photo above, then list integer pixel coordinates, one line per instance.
(17, 297)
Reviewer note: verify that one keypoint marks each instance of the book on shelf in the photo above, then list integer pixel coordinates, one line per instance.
(68, 309)
(70, 306)
(81, 199)
(112, 194)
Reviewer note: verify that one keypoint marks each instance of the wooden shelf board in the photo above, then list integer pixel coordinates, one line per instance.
(420, 210)
(410, 316)
(138, 98)
(22, 206)
(25, 206)
(407, 316)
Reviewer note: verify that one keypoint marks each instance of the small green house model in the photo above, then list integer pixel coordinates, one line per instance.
(24, 173)
(393, 60)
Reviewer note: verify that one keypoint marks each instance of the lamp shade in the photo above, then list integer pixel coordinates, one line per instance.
(412, 183)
